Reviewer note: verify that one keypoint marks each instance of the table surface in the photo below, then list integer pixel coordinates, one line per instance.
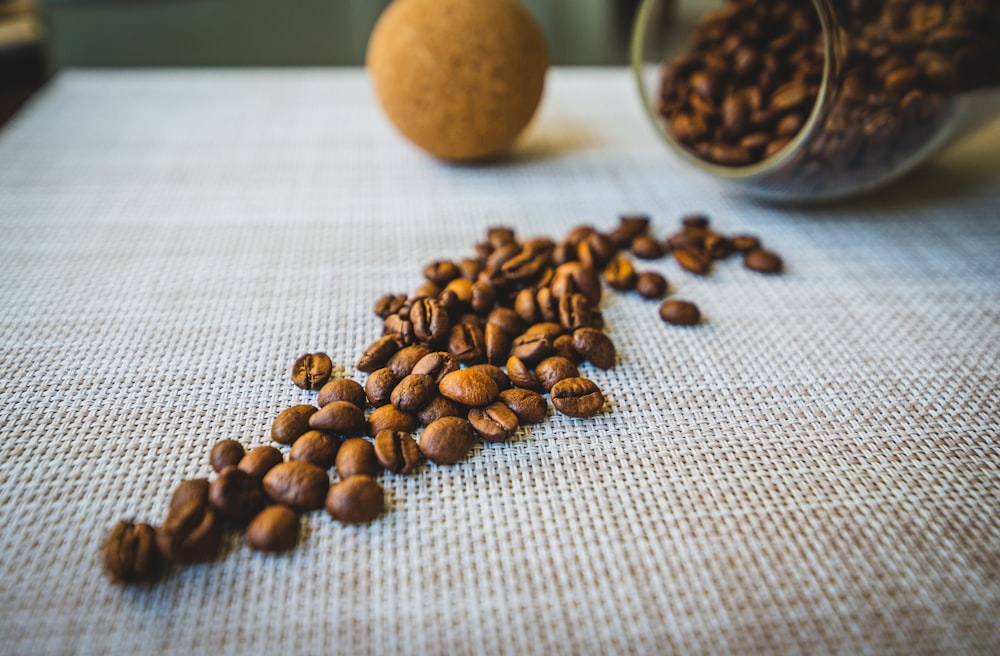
(813, 469)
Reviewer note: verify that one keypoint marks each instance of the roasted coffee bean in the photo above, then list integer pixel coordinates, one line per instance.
(532, 347)
(620, 274)
(397, 452)
(745, 243)
(436, 365)
(717, 247)
(300, 485)
(553, 369)
(312, 370)
(388, 417)
(430, 320)
(469, 387)
(447, 440)
(378, 353)
(574, 312)
(494, 423)
(441, 272)
(339, 418)
(470, 268)
(651, 285)
(578, 234)
(548, 305)
(645, 247)
(274, 529)
(131, 554)
(507, 320)
(291, 422)
(225, 453)
(467, 344)
(457, 295)
(316, 447)
(595, 346)
(389, 304)
(483, 297)
(563, 347)
(496, 373)
(356, 456)
(596, 250)
(439, 407)
(192, 490)
(762, 261)
(629, 227)
(413, 392)
(379, 386)
(191, 533)
(680, 313)
(524, 266)
(355, 500)
(496, 342)
(427, 290)
(575, 277)
(342, 389)
(530, 407)
(235, 495)
(521, 375)
(403, 361)
(258, 461)
(692, 260)
(577, 397)
(526, 306)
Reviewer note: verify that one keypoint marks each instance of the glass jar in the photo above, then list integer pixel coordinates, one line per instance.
(815, 99)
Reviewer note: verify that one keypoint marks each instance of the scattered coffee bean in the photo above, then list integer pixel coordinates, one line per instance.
(355, 500)
(494, 423)
(258, 461)
(553, 369)
(192, 490)
(388, 304)
(312, 370)
(680, 313)
(762, 261)
(235, 495)
(274, 529)
(397, 452)
(300, 485)
(645, 247)
(620, 274)
(469, 387)
(413, 392)
(291, 423)
(378, 353)
(342, 389)
(403, 361)
(436, 365)
(446, 440)
(379, 386)
(577, 397)
(651, 285)
(521, 375)
(439, 407)
(356, 456)
(339, 418)
(225, 453)
(131, 554)
(530, 407)
(595, 346)
(498, 375)
(388, 417)
(316, 447)
(191, 533)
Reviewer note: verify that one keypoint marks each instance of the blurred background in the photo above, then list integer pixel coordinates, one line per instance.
(39, 37)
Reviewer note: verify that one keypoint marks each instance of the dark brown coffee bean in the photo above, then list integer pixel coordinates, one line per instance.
(342, 389)
(483, 297)
(428, 289)
(191, 533)
(497, 343)
(436, 365)
(680, 313)
(312, 370)
(226, 453)
(762, 261)
(439, 407)
(727, 155)
(291, 422)
(339, 418)
(553, 369)
(356, 456)
(274, 529)
(620, 273)
(651, 285)
(258, 461)
(717, 247)
(548, 305)
(494, 423)
(356, 500)
(413, 392)
(563, 347)
(596, 250)
(629, 227)
(378, 353)
(469, 387)
(399, 327)
(397, 452)
(506, 319)
(530, 407)
(300, 485)
(379, 386)
(131, 555)
(430, 320)
(316, 447)
(578, 234)
(388, 417)
(524, 266)
(441, 272)
(691, 260)
(235, 495)
(521, 375)
(574, 312)
(467, 344)
(526, 306)
(498, 375)
(577, 397)
(596, 347)
(389, 304)
(470, 268)
(575, 277)
(645, 247)
(403, 361)
(447, 440)
(744, 243)
(533, 346)
(192, 490)
(790, 124)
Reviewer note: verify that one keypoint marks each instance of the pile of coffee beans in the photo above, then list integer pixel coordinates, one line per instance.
(751, 76)
(471, 355)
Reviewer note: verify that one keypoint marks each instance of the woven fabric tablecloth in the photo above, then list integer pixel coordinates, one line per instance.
(814, 469)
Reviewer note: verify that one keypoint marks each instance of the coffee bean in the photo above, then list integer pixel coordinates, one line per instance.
(388, 417)
(235, 495)
(312, 370)
(533, 346)
(447, 440)
(339, 418)
(469, 387)
(297, 484)
(225, 453)
(645, 247)
(692, 260)
(259, 461)
(379, 386)
(680, 313)
(355, 500)
(291, 422)
(191, 533)
(402, 362)
(467, 344)
(496, 373)
(194, 490)
(399, 327)
(441, 272)
(530, 407)
(762, 261)
(651, 285)
(413, 392)
(575, 277)
(745, 243)
(629, 227)
(563, 347)
(274, 529)
(427, 290)
(356, 456)
(439, 407)
(577, 397)
(397, 451)
(496, 342)
(620, 274)
(494, 423)
(430, 320)
(342, 389)
(315, 447)
(483, 297)
(506, 319)
(522, 376)
(574, 312)
(553, 369)
(436, 365)
(596, 347)
(378, 353)
(130, 553)
(389, 304)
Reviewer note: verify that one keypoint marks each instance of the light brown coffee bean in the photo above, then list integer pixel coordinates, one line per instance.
(521, 375)
(530, 407)
(563, 347)
(595, 346)
(620, 273)
(356, 456)
(430, 320)
(194, 489)
(692, 260)
(379, 386)
(312, 370)
(388, 417)
(413, 392)
(494, 423)
(447, 440)
(389, 304)
(355, 500)
(577, 397)
(469, 387)
(316, 447)
(498, 375)
(274, 529)
(441, 272)
(397, 452)
(342, 389)
(553, 369)
(291, 422)
(496, 342)
(297, 484)
(339, 418)
(225, 453)
(436, 365)
(258, 461)
(379, 352)
(130, 553)
(235, 495)
(506, 319)
(680, 313)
